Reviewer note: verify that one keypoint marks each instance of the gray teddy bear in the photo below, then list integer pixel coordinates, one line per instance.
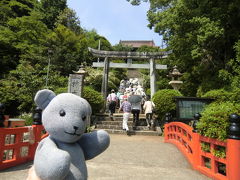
(62, 155)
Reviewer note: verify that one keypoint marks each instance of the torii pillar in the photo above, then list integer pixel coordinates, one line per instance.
(152, 76)
(105, 77)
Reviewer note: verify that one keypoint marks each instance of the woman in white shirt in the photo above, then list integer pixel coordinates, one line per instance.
(148, 109)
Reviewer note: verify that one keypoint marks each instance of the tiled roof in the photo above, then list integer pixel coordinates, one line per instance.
(137, 44)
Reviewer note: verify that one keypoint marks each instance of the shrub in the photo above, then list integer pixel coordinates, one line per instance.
(214, 120)
(219, 95)
(164, 101)
(94, 98)
(235, 96)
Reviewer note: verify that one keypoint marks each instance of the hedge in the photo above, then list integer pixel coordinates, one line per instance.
(215, 119)
(164, 101)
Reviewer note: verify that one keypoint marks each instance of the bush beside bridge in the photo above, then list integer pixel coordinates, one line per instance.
(164, 101)
(215, 118)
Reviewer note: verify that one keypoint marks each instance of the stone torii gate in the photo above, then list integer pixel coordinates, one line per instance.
(151, 56)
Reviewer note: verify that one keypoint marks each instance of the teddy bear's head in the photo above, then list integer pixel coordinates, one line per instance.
(65, 116)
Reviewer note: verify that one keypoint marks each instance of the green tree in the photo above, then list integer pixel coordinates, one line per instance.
(50, 10)
(23, 38)
(91, 39)
(94, 79)
(69, 19)
(15, 8)
(17, 91)
(231, 74)
(65, 48)
(120, 47)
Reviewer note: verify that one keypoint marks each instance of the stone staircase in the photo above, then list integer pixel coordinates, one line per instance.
(103, 121)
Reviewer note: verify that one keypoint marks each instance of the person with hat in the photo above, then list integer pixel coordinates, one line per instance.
(112, 101)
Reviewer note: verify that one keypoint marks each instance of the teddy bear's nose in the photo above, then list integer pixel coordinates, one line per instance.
(75, 128)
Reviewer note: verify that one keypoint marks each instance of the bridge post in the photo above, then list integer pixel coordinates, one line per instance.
(233, 148)
(152, 76)
(196, 142)
(196, 150)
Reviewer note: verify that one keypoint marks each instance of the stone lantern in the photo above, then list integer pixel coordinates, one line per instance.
(175, 82)
(75, 83)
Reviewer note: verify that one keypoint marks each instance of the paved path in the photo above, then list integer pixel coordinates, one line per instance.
(131, 158)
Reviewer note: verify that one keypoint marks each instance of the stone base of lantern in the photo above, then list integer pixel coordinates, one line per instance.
(176, 84)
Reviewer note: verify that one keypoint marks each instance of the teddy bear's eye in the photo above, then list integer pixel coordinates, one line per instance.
(62, 112)
(84, 118)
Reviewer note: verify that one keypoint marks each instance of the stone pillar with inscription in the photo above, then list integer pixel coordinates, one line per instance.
(75, 82)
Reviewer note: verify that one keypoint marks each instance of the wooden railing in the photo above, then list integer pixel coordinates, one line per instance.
(18, 145)
(207, 161)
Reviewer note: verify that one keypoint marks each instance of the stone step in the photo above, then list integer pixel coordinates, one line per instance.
(119, 127)
(117, 115)
(133, 132)
(118, 123)
(141, 122)
(119, 119)
(114, 126)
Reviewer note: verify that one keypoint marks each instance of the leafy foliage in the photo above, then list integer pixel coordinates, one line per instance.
(221, 95)
(220, 152)
(205, 147)
(148, 49)
(214, 120)
(18, 90)
(28, 118)
(65, 49)
(21, 38)
(51, 9)
(121, 47)
(94, 78)
(14, 8)
(94, 98)
(164, 101)
(69, 19)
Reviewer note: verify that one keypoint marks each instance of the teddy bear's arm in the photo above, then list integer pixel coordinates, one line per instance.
(94, 143)
(50, 162)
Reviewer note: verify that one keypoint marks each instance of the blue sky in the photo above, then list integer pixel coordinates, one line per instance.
(115, 19)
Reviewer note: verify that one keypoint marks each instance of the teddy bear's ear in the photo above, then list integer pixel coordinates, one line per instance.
(43, 98)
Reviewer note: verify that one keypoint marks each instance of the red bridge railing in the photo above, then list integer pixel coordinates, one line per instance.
(18, 145)
(205, 160)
